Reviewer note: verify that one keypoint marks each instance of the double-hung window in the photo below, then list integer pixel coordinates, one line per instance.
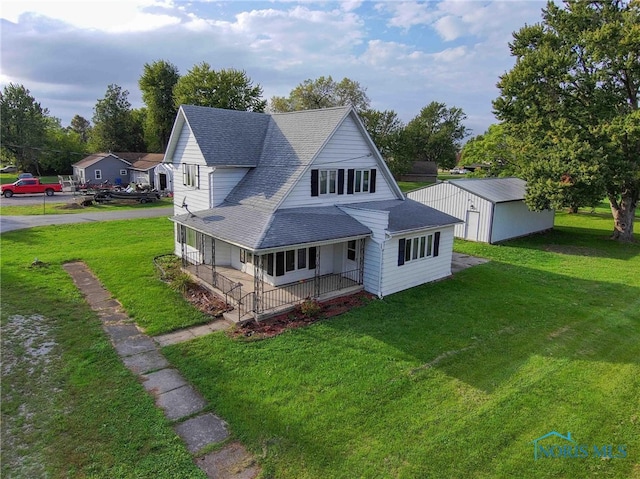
(190, 175)
(418, 247)
(361, 181)
(327, 181)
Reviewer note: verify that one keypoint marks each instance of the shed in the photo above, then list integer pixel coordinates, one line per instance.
(493, 209)
(163, 177)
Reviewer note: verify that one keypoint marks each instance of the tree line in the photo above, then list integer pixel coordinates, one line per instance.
(36, 141)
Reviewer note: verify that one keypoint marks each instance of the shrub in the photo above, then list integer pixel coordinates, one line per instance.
(182, 282)
(310, 308)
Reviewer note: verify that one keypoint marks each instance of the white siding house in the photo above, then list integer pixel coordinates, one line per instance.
(492, 209)
(301, 204)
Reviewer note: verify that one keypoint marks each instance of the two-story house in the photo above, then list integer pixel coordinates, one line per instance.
(275, 208)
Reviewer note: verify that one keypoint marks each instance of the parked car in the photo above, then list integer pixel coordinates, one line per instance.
(25, 175)
(29, 186)
(458, 171)
(9, 169)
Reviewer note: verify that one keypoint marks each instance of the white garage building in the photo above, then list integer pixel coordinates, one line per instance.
(493, 209)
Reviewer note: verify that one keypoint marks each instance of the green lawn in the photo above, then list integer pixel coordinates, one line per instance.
(62, 209)
(452, 379)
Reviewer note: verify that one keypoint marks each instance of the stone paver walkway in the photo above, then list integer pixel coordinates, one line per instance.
(181, 403)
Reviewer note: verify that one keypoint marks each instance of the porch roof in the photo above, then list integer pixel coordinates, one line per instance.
(408, 215)
(256, 229)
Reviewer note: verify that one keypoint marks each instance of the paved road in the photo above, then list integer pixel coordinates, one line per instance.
(22, 200)
(10, 223)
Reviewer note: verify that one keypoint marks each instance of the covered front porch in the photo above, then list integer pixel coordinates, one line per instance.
(239, 290)
(262, 285)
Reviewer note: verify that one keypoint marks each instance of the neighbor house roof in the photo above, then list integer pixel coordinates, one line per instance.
(97, 157)
(147, 162)
(256, 229)
(495, 190)
(407, 215)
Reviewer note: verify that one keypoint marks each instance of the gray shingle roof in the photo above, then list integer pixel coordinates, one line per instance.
(257, 229)
(408, 215)
(496, 190)
(291, 143)
(227, 137)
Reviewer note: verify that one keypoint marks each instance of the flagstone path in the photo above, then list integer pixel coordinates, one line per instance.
(181, 403)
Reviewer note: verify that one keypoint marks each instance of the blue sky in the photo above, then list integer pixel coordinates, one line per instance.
(406, 54)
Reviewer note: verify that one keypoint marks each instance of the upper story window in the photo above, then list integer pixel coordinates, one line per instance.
(191, 175)
(331, 182)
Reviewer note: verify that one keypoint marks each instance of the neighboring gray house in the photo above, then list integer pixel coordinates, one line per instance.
(273, 209)
(493, 209)
(101, 167)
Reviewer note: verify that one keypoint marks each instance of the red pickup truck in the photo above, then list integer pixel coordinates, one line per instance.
(30, 186)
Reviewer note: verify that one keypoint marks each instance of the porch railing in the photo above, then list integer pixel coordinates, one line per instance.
(298, 292)
(227, 286)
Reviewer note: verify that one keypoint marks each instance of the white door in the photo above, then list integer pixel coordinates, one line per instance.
(352, 260)
(472, 225)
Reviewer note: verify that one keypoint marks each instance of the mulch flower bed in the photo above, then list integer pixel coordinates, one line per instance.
(275, 325)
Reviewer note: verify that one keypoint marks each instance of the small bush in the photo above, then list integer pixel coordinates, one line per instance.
(310, 308)
(182, 282)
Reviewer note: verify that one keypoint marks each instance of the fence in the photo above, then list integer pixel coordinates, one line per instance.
(298, 292)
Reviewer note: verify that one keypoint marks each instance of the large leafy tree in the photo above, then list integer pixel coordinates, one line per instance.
(385, 129)
(64, 146)
(435, 134)
(322, 92)
(230, 89)
(114, 127)
(23, 126)
(573, 97)
(156, 84)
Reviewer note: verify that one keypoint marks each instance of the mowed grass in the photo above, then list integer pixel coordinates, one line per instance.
(448, 380)
(69, 406)
(453, 379)
(55, 208)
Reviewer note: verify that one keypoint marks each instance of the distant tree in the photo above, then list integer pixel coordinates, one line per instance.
(573, 96)
(63, 147)
(494, 148)
(23, 125)
(113, 128)
(156, 84)
(435, 134)
(81, 126)
(385, 129)
(323, 92)
(230, 89)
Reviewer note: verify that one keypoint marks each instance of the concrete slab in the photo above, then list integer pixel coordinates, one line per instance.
(102, 304)
(162, 381)
(231, 462)
(181, 402)
(109, 317)
(174, 338)
(145, 362)
(121, 331)
(134, 345)
(461, 261)
(201, 431)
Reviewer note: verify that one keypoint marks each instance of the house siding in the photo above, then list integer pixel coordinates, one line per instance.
(222, 181)
(187, 150)
(377, 222)
(514, 219)
(347, 149)
(397, 278)
(457, 202)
